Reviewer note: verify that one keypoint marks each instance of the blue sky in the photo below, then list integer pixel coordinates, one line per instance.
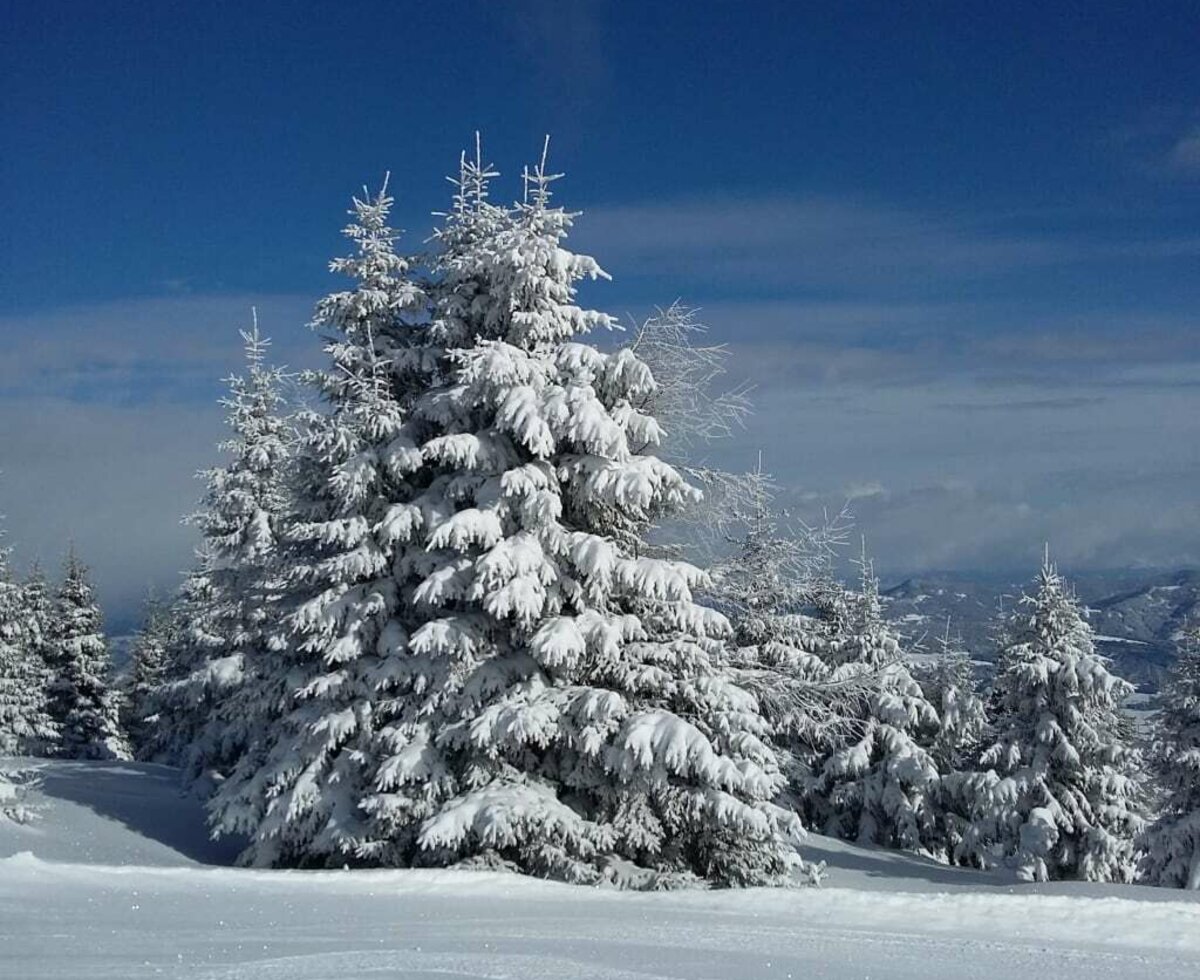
(955, 246)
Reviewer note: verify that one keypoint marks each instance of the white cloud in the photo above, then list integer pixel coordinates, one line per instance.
(865, 491)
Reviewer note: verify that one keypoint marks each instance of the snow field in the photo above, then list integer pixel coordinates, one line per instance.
(113, 881)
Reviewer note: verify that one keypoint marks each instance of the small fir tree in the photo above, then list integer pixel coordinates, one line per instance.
(764, 582)
(1173, 841)
(874, 781)
(949, 684)
(1067, 803)
(84, 704)
(765, 586)
(695, 407)
(689, 400)
(148, 661)
(25, 724)
(15, 787)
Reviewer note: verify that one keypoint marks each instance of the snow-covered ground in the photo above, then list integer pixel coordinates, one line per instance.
(116, 879)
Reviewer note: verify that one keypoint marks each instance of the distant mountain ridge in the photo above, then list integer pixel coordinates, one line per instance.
(1137, 616)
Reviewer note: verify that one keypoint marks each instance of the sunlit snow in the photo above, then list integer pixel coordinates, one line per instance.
(116, 879)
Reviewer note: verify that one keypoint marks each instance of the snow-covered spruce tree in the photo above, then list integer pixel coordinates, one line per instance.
(1172, 843)
(558, 692)
(227, 611)
(949, 684)
(38, 604)
(148, 661)
(180, 700)
(762, 586)
(1068, 800)
(25, 724)
(298, 787)
(487, 668)
(874, 779)
(765, 585)
(83, 703)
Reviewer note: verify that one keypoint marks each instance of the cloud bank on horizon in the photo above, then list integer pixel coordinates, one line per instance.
(964, 432)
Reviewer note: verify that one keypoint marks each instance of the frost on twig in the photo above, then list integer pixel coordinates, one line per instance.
(686, 400)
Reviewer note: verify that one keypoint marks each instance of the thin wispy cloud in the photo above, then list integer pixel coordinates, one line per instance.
(1184, 157)
(173, 348)
(1163, 143)
(945, 473)
(567, 55)
(115, 480)
(994, 343)
(1065, 403)
(847, 246)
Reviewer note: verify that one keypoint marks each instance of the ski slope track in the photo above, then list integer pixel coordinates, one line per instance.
(116, 879)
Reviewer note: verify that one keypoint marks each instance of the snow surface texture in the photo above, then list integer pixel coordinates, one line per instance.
(110, 882)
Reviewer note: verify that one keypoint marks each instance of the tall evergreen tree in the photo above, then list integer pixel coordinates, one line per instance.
(1068, 800)
(211, 699)
(582, 723)
(487, 671)
(184, 697)
(25, 724)
(1173, 842)
(84, 704)
(39, 611)
(298, 790)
